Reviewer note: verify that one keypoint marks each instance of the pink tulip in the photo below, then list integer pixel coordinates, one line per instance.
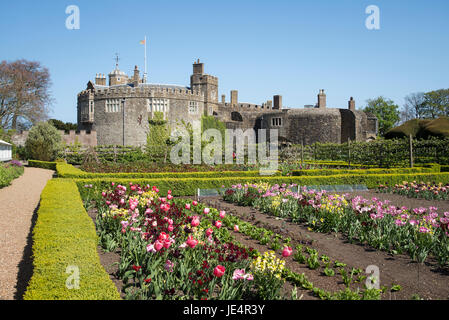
(218, 224)
(222, 214)
(169, 197)
(209, 232)
(195, 203)
(236, 228)
(158, 245)
(187, 206)
(169, 192)
(195, 221)
(206, 210)
(170, 228)
(287, 252)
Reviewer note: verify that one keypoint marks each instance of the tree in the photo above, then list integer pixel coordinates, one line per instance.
(24, 93)
(436, 103)
(414, 106)
(386, 112)
(43, 142)
(60, 125)
(158, 138)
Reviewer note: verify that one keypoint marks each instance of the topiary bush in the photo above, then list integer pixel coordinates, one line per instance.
(44, 142)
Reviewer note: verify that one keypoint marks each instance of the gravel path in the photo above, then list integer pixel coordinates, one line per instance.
(18, 210)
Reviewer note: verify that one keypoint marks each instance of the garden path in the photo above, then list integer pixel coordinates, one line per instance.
(18, 213)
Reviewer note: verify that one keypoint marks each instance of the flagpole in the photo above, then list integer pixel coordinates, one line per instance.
(145, 76)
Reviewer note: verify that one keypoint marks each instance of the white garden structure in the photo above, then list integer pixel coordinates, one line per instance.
(5, 151)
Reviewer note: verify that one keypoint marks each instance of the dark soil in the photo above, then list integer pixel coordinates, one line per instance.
(426, 280)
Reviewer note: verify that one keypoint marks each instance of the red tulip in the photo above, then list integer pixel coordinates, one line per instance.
(209, 232)
(218, 224)
(194, 203)
(219, 271)
(191, 242)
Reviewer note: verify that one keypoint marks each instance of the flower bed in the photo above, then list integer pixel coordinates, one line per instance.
(421, 190)
(419, 232)
(169, 250)
(179, 249)
(9, 172)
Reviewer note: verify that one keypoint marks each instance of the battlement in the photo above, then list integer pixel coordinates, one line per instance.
(83, 137)
(143, 91)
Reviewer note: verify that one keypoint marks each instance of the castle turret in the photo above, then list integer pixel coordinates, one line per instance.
(117, 77)
(351, 104)
(322, 99)
(223, 99)
(207, 85)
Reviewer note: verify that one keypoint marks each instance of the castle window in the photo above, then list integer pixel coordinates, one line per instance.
(113, 105)
(193, 107)
(91, 105)
(276, 122)
(158, 105)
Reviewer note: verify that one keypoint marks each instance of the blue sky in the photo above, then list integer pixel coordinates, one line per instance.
(261, 48)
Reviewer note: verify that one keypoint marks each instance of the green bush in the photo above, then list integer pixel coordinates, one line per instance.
(8, 173)
(43, 142)
(42, 164)
(65, 236)
(189, 186)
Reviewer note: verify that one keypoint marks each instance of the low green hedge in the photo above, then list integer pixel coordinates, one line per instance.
(65, 236)
(68, 171)
(189, 186)
(330, 172)
(8, 173)
(42, 164)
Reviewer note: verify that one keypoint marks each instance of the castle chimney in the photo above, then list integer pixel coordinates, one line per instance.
(322, 99)
(277, 100)
(100, 79)
(234, 97)
(136, 77)
(351, 104)
(269, 105)
(223, 99)
(198, 67)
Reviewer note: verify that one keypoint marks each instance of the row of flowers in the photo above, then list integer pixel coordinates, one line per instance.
(419, 231)
(176, 249)
(429, 191)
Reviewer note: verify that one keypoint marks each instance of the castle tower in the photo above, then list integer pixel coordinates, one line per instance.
(206, 84)
(322, 99)
(351, 104)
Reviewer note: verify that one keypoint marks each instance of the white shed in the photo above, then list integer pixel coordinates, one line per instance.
(5, 151)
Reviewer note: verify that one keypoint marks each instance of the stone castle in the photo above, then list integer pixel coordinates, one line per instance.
(118, 112)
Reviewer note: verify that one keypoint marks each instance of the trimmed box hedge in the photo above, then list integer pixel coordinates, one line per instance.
(68, 171)
(330, 172)
(42, 164)
(65, 236)
(189, 186)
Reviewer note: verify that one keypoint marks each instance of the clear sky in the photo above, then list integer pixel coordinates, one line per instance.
(261, 48)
